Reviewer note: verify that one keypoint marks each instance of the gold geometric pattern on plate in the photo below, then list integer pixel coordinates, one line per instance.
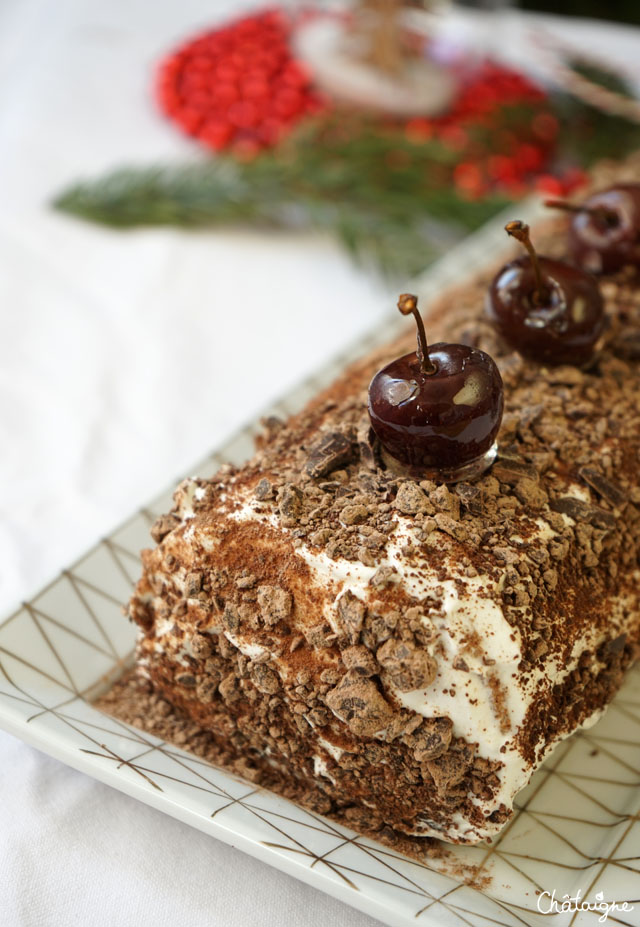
(576, 826)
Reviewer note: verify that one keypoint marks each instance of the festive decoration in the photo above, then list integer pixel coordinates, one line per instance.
(396, 192)
(371, 59)
(590, 79)
(239, 86)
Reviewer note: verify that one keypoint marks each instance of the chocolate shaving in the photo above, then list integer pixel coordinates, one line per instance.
(528, 415)
(583, 512)
(617, 645)
(332, 452)
(510, 469)
(366, 447)
(470, 497)
(603, 486)
(627, 344)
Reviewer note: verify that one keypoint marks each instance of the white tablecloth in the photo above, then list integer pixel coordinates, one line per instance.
(124, 358)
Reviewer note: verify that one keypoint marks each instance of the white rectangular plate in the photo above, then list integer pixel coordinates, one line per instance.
(576, 827)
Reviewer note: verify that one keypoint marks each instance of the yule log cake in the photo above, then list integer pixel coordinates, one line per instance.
(403, 646)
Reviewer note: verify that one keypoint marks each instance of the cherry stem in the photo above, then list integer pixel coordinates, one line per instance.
(600, 212)
(408, 305)
(520, 231)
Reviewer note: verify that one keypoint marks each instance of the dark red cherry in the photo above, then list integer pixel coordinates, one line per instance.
(437, 411)
(546, 309)
(605, 230)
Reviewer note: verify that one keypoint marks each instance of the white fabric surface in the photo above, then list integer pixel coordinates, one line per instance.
(123, 359)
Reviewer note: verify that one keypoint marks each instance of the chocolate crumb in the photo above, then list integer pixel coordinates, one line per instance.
(163, 526)
(448, 770)
(358, 703)
(351, 612)
(264, 490)
(354, 515)
(410, 500)
(384, 576)
(275, 604)
(360, 660)
(408, 666)
(246, 580)
(432, 739)
(201, 646)
(530, 494)
(290, 504)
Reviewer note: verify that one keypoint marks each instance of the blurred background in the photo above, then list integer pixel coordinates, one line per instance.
(624, 11)
(201, 204)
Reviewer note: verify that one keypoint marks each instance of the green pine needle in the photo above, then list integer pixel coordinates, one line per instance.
(388, 199)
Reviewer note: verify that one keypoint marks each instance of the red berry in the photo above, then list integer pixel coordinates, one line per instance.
(545, 126)
(468, 178)
(225, 94)
(226, 72)
(500, 167)
(201, 63)
(216, 135)
(418, 130)
(194, 82)
(454, 137)
(255, 89)
(547, 183)
(243, 114)
(190, 120)
(574, 178)
(287, 102)
(529, 158)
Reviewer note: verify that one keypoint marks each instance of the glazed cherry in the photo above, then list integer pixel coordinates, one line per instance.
(437, 411)
(546, 309)
(605, 230)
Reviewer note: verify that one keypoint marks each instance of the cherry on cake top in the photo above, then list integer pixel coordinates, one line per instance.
(437, 411)
(604, 234)
(546, 309)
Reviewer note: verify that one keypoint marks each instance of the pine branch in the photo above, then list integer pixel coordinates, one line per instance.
(194, 195)
(388, 200)
(399, 234)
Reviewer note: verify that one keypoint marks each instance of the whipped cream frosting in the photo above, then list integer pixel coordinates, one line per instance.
(467, 678)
